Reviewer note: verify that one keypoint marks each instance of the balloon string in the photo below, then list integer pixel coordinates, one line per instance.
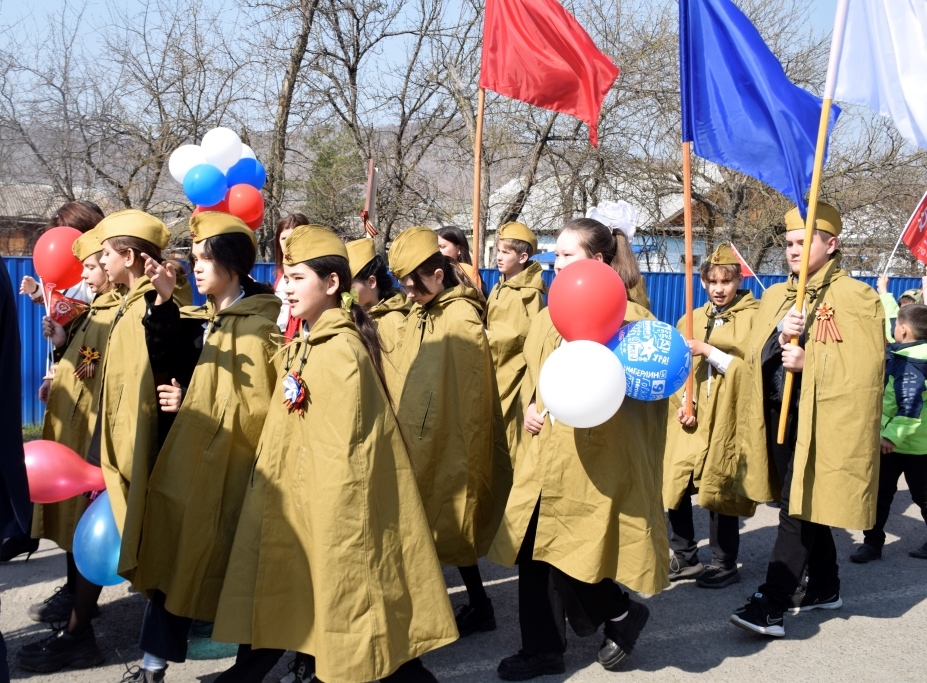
(48, 341)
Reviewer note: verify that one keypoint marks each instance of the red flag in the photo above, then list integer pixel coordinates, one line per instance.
(536, 52)
(63, 309)
(745, 269)
(915, 234)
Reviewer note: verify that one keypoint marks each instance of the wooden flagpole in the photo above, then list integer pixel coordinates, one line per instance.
(840, 23)
(477, 187)
(690, 274)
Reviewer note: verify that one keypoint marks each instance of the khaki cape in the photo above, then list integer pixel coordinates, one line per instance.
(129, 429)
(390, 317)
(601, 513)
(451, 418)
(198, 483)
(333, 556)
(509, 309)
(708, 453)
(71, 413)
(836, 462)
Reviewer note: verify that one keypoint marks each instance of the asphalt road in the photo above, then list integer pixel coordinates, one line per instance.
(878, 635)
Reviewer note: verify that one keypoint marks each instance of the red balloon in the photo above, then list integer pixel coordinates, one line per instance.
(57, 473)
(246, 202)
(222, 207)
(53, 259)
(588, 301)
(254, 225)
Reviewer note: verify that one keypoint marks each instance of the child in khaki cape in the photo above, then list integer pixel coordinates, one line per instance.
(511, 304)
(332, 556)
(701, 450)
(585, 509)
(71, 419)
(387, 306)
(450, 413)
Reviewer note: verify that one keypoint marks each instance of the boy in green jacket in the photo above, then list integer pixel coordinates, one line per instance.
(904, 429)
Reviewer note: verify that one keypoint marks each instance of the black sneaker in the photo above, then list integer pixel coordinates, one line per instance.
(718, 577)
(472, 619)
(62, 649)
(412, 671)
(866, 553)
(758, 616)
(680, 569)
(139, 675)
(56, 608)
(301, 669)
(523, 667)
(811, 602)
(16, 546)
(620, 636)
(919, 553)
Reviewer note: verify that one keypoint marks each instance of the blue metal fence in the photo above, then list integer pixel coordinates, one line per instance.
(667, 297)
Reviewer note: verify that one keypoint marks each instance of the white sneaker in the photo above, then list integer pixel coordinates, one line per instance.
(302, 669)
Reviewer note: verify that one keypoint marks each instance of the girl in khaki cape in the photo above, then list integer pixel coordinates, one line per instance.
(332, 556)
(198, 483)
(450, 413)
(585, 507)
(132, 426)
(702, 450)
(386, 305)
(70, 419)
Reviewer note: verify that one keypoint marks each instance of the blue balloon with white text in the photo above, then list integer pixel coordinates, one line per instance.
(655, 357)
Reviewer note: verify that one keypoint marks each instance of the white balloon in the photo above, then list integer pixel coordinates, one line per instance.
(582, 384)
(183, 159)
(222, 148)
(247, 152)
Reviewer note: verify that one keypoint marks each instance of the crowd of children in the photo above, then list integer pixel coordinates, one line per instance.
(333, 420)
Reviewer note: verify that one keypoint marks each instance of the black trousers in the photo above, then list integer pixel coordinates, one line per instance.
(799, 544)
(251, 666)
(891, 467)
(723, 535)
(546, 595)
(163, 634)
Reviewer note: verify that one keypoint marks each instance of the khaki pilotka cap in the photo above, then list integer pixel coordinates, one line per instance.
(723, 256)
(360, 253)
(87, 245)
(309, 242)
(827, 218)
(518, 231)
(411, 249)
(212, 223)
(133, 223)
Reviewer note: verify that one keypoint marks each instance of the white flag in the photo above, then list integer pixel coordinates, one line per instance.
(883, 63)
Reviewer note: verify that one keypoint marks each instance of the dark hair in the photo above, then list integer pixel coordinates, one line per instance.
(386, 287)
(81, 215)
(291, 222)
(454, 235)
(453, 274)
(730, 269)
(614, 246)
(518, 246)
(233, 254)
(138, 246)
(915, 317)
(366, 328)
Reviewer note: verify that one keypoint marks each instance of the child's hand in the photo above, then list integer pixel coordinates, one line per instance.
(162, 276)
(700, 348)
(53, 332)
(683, 420)
(44, 390)
(793, 324)
(887, 446)
(793, 357)
(882, 284)
(534, 422)
(31, 288)
(170, 396)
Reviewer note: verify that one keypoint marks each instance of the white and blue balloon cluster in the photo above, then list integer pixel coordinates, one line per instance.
(209, 170)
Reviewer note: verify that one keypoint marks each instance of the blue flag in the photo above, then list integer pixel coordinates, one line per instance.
(739, 109)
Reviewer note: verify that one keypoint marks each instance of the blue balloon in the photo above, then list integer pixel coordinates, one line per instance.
(205, 185)
(247, 172)
(655, 357)
(97, 543)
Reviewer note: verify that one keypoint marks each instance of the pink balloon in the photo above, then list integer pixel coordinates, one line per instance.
(57, 473)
